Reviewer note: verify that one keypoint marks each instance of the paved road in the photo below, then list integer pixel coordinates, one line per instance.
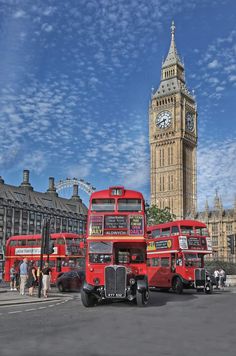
(189, 324)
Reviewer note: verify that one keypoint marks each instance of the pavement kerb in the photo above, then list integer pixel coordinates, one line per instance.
(4, 303)
(8, 298)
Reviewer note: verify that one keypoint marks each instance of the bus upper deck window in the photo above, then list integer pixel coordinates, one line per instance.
(156, 233)
(165, 232)
(174, 230)
(129, 205)
(186, 230)
(103, 205)
(201, 231)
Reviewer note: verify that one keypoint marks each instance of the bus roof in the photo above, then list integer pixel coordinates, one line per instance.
(177, 223)
(107, 194)
(38, 236)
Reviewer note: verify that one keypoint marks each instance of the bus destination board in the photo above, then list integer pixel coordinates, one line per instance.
(136, 225)
(115, 222)
(197, 243)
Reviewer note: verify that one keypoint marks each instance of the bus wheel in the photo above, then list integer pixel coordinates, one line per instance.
(88, 300)
(177, 285)
(208, 289)
(142, 298)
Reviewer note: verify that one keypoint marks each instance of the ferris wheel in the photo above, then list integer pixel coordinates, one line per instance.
(63, 185)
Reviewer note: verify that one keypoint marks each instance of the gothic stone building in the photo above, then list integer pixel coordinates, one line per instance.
(22, 210)
(173, 139)
(221, 223)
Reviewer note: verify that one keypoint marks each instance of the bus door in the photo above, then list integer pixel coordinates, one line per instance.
(173, 263)
(153, 265)
(164, 275)
(58, 265)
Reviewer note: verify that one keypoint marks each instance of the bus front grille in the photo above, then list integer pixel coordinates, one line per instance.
(115, 281)
(200, 277)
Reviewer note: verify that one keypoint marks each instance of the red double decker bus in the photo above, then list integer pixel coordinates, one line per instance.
(69, 252)
(175, 252)
(116, 248)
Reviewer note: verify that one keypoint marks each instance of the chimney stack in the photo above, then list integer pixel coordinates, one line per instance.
(26, 183)
(51, 187)
(1, 180)
(75, 195)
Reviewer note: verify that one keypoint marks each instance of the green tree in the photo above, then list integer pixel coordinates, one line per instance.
(156, 215)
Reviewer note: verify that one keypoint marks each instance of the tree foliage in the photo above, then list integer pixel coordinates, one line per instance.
(156, 215)
(229, 267)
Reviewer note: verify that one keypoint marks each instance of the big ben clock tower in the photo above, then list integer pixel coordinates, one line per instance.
(173, 139)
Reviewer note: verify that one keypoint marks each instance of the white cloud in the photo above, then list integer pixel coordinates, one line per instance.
(19, 14)
(214, 64)
(82, 170)
(217, 169)
(232, 78)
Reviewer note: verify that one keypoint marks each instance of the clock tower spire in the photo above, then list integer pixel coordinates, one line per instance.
(173, 138)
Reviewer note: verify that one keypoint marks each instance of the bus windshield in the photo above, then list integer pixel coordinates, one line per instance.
(192, 260)
(100, 247)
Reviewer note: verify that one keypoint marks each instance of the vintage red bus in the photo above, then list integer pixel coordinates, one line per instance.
(116, 248)
(69, 252)
(175, 255)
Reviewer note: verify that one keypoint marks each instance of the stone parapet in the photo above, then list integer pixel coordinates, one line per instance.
(230, 280)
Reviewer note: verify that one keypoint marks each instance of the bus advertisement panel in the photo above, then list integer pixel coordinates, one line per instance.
(175, 255)
(116, 247)
(69, 252)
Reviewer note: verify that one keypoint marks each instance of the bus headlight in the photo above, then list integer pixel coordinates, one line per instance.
(96, 280)
(132, 281)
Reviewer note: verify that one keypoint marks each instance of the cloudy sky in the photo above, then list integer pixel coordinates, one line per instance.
(76, 78)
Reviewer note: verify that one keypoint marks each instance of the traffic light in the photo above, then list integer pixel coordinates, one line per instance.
(231, 243)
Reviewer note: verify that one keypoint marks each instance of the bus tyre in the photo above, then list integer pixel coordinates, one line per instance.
(142, 298)
(208, 289)
(88, 300)
(178, 286)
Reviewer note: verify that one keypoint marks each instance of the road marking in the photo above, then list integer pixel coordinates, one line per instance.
(34, 309)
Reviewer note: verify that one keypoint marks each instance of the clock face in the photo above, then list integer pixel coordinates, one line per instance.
(189, 121)
(163, 119)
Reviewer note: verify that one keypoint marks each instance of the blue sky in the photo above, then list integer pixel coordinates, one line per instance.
(76, 78)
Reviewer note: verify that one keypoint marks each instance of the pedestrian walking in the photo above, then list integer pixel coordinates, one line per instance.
(217, 278)
(13, 275)
(32, 278)
(17, 269)
(23, 275)
(222, 276)
(46, 271)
